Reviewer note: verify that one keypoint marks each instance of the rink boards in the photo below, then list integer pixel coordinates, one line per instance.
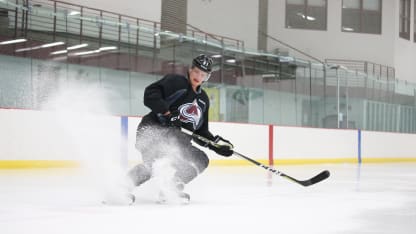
(43, 139)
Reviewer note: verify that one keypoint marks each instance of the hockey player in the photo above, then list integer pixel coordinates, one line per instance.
(177, 102)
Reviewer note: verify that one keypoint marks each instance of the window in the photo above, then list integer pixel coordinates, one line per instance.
(404, 19)
(306, 14)
(362, 16)
(414, 22)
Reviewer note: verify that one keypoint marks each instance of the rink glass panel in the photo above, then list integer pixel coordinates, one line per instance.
(303, 101)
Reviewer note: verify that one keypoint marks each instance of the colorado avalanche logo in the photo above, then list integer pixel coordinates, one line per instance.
(191, 113)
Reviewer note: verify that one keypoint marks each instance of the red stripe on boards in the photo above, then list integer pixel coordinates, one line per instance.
(271, 163)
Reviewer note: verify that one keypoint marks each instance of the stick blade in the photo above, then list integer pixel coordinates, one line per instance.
(318, 178)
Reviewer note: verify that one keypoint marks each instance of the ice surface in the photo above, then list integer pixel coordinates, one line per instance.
(372, 198)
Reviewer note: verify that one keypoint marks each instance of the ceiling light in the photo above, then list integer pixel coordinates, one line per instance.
(347, 29)
(74, 13)
(216, 56)
(310, 18)
(13, 41)
(107, 48)
(94, 51)
(77, 46)
(59, 52)
(25, 49)
(86, 52)
(52, 44)
(41, 46)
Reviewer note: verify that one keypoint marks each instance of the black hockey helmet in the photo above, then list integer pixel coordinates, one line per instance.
(203, 62)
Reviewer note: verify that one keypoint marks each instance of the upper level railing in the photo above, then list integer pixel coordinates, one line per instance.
(58, 16)
(374, 69)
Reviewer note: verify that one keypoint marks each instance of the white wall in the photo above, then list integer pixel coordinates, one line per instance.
(46, 135)
(404, 50)
(333, 43)
(405, 57)
(379, 144)
(230, 18)
(249, 139)
(314, 143)
(145, 9)
(385, 49)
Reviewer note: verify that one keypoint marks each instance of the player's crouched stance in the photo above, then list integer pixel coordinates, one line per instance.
(167, 153)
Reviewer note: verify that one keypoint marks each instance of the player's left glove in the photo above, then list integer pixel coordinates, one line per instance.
(222, 147)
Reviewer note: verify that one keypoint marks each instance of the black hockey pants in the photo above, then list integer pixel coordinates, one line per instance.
(155, 142)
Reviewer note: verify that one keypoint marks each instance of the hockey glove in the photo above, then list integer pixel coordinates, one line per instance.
(222, 147)
(170, 120)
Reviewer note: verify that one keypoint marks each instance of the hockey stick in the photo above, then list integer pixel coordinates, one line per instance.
(318, 178)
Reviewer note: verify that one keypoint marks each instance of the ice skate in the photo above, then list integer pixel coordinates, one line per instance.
(173, 197)
(184, 197)
(174, 194)
(120, 193)
(132, 198)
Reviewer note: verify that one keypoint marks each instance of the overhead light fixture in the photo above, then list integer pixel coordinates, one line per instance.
(216, 56)
(347, 29)
(231, 61)
(52, 44)
(107, 48)
(95, 51)
(24, 49)
(85, 52)
(310, 18)
(77, 46)
(59, 52)
(13, 41)
(41, 46)
(72, 13)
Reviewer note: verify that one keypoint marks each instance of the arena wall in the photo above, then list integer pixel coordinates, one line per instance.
(43, 139)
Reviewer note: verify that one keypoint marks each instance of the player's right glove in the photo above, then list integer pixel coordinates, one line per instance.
(170, 120)
(222, 147)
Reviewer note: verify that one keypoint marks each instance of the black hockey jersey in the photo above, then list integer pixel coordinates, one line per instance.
(174, 93)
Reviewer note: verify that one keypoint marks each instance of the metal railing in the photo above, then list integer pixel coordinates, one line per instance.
(42, 21)
(381, 71)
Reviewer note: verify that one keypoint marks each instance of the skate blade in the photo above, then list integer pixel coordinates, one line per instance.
(175, 200)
